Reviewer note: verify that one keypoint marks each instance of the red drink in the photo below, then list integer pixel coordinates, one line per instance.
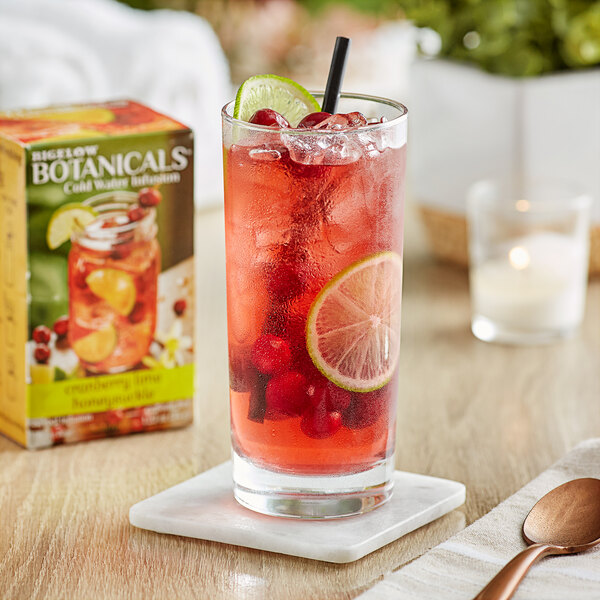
(113, 272)
(314, 219)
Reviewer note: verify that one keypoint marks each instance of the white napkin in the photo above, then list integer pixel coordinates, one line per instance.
(460, 567)
(68, 51)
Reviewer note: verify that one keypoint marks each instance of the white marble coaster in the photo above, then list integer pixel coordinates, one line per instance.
(204, 507)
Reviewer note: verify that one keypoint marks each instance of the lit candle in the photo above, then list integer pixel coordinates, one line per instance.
(536, 283)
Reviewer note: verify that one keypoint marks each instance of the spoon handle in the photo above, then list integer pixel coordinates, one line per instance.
(505, 583)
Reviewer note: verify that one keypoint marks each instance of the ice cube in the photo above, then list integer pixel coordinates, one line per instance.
(266, 153)
(342, 121)
(327, 149)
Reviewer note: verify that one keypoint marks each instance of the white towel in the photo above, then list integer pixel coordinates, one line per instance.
(40, 65)
(80, 50)
(460, 567)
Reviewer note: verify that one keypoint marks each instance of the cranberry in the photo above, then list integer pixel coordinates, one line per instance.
(41, 334)
(301, 360)
(269, 118)
(41, 353)
(286, 394)
(276, 320)
(257, 406)
(333, 397)
(61, 326)
(271, 354)
(319, 423)
(136, 213)
(242, 374)
(313, 119)
(137, 313)
(286, 280)
(342, 121)
(149, 197)
(179, 307)
(356, 119)
(366, 408)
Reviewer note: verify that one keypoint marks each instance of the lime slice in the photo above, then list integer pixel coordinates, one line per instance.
(114, 286)
(97, 346)
(285, 96)
(353, 325)
(41, 373)
(65, 220)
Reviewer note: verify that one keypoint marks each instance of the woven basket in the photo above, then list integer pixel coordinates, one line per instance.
(447, 236)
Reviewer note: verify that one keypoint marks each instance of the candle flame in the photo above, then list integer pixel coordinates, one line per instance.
(519, 258)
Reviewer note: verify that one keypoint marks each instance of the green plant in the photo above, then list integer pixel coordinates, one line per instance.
(517, 38)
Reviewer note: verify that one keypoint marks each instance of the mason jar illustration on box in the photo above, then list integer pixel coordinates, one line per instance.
(114, 263)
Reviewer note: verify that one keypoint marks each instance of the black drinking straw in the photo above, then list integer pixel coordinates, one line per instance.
(336, 74)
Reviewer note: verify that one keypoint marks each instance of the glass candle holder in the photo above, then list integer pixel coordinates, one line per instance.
(529, 253)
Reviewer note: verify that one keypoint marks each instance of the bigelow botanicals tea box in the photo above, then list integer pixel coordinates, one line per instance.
(96, 275)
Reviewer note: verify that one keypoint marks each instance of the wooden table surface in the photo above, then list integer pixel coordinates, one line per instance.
(490, 416)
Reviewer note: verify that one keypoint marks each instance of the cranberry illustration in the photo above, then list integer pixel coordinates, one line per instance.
(320, 423)
(114, 417)
(79, 275)
(269, 118)
(286, 394)
(365, 409)
(179, 307)
(136, 424)
(313, 119)
(41, 353)
(137, 313)
(149, 197)
(271, 354)
(58, 433)
(41, 334)
(136, 213)
(121, 251)
(333, 397)
(61, 326)
(109, 223)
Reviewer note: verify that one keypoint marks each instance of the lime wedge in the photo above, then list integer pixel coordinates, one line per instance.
(65, 220)
(96, 346)
(353, 325)
(114, 286)
(285, 96)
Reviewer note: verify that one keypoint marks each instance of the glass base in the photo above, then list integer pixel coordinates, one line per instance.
(491, 331)
(311, 496)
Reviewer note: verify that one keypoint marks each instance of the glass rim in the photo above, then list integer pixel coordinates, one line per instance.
(350, 95)
(107, 203)
(574, 197)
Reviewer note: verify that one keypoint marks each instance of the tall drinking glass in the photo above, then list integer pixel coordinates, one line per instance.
(313, 225)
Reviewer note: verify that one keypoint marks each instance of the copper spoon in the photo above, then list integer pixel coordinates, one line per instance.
(565, 521)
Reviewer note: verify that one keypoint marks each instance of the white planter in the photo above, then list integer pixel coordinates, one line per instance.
(466, 124)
